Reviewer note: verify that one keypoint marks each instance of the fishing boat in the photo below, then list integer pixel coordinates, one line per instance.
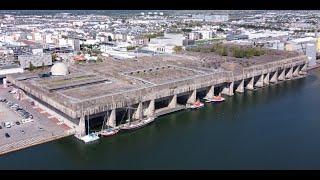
(90, 137)
(195, 105)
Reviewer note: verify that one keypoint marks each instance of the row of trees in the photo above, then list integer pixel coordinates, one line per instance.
(177, 49)
(154, 35)
(247, 52)
(260, 27)
(129, 48)
(32, 67)
(222, 50)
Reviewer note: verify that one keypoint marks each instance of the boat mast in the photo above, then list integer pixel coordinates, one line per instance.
(129, 115)
(88, 124)
(106, 119)
(103, 122)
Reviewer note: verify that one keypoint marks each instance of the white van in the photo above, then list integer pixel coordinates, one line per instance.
(7, 124)
(27, 120)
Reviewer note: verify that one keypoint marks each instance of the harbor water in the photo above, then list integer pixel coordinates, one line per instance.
(276, 127)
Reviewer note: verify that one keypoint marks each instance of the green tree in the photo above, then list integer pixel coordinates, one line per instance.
(129, 48)
(31, 67)
(186, 30)
(224, 51)
(177, 49)
(249, 52)
(54, 56)
(220, 30)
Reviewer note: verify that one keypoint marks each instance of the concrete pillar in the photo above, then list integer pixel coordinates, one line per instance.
(151, 109)
(138, 114)
(228, 89)
(112, 119)
(266, 79)
(282, 75)
(259, 83)
(240, 88)
(274, 78)
(193, 97)
(4, 82)
(304, 68)
(210, 93)
(296, 71)
(173, 102)
(81, 129)
(250, 84)
(289, 74)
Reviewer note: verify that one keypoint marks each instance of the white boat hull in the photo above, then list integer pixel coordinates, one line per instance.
(109, 133)
(140, 124)
(89, 138)
(208, 100)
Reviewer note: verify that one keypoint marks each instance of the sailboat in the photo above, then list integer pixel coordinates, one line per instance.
(133, 125)
(90, 137)
(109, 131)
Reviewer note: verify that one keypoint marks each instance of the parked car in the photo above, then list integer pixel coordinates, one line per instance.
(26, 120)
(7, 135)
(22, 131)
(7, 124)
(17, 123)
(13, 91)
(0, 127)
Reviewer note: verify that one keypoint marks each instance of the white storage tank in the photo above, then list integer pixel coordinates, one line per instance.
(59, 69)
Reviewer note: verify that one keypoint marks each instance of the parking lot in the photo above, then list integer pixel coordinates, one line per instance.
(16, 131)
(24, 124)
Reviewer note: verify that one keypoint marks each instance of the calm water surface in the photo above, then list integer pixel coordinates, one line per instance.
(277, 127)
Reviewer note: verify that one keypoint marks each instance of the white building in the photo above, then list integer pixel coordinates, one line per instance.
(37, 51)
(207, 34)
(194, 35)
(36, 60)
(166, 44)
(311, 53)
(299, 44)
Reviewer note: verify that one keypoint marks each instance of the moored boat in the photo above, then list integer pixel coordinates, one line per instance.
(218, 98)
(133, 125)
(109, 132)
(89, 138)
(195, 105)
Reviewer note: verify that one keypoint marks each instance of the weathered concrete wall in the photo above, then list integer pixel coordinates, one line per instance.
(131, 97)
